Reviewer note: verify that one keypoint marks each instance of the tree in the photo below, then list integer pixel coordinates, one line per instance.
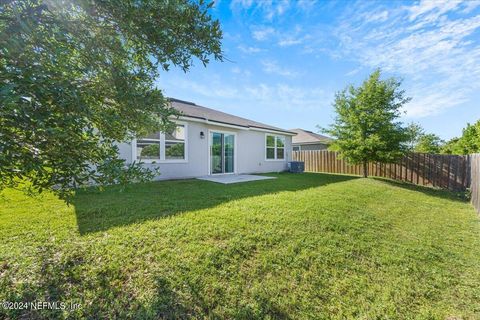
(429, 143)
(468, 143)
(414, 132)
(419, 141)
(451, 147)
(79, 75)
(366, 127)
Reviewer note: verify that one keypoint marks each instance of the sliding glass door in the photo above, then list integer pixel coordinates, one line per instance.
(216, 158)
(222, 153)
(228, 146)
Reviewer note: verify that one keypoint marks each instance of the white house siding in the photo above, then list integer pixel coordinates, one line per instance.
(250, 153)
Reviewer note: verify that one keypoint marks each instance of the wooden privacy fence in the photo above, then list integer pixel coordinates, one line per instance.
(443, 171)
(452, 172)
(474, 160)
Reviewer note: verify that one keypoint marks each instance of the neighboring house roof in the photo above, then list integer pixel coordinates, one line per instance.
(191, 110)
(309, 137)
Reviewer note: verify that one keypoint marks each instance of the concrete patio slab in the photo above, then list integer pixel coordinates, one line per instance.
(234, 178)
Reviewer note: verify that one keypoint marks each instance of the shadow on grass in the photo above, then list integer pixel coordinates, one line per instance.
(99, 211)
(63, 284)
(65, 287)
(460, 196)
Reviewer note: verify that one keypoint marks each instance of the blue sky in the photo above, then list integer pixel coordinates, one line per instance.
(286, 59)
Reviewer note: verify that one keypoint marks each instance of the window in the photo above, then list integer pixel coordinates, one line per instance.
(275, 147)
(148, 148)
(296, 148)
(175, 144)
(170, 146)
(270, 147)
(280, 147)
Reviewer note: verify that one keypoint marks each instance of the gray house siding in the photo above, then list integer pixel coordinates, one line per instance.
(250, 153)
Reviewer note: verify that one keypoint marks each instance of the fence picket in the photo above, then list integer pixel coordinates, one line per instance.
(442, 171)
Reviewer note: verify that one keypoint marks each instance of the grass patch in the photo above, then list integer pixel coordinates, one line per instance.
(299, 246)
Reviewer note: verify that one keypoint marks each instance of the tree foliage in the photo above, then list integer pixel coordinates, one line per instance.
(78, 75)
(366, 126)
(414, 132)
(468, 143)
(176, 151)
(420, 141)
(429, 143)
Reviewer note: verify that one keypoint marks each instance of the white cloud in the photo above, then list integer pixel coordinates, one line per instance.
(246, 4)
(215, 89)
(268, 8)
(289, 42)
(377, 16)
(247, 49)
(429, 43)
(432, 101)
(289, 97)
(470, 6)
(293, 37)
(293, 40)
(278, 7)
(434, 9)
(239, 71)
(273, 96)
(306, 5)
(273, 67)
(353, 72)
(262, 33)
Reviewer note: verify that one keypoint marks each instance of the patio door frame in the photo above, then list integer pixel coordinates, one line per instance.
(210, 136)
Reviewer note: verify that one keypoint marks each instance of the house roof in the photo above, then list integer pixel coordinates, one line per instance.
(191, 110)
(309, 137)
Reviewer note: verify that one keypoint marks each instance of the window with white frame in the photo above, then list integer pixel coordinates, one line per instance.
(170, 146)
(175, 144)
(275, 147)
(148, 147)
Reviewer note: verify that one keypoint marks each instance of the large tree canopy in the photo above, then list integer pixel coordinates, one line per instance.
(366, 127)
(468, 143)
(78, 75)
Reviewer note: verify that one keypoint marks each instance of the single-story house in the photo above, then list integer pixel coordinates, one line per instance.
(308, 140)
(209, 142)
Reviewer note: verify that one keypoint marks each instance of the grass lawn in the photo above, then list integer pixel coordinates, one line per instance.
(300, 246)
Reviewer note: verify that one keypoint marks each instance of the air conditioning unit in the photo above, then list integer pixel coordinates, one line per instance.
(296, 166)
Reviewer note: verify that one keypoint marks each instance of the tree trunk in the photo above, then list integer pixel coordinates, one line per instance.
(365, 168)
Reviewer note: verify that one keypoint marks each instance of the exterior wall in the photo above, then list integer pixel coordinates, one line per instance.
(318, 146)
(250, 153)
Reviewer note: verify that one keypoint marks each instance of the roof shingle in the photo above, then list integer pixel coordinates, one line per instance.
(305, 136)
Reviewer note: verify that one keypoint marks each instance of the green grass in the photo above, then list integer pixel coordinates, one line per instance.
(300, 246)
